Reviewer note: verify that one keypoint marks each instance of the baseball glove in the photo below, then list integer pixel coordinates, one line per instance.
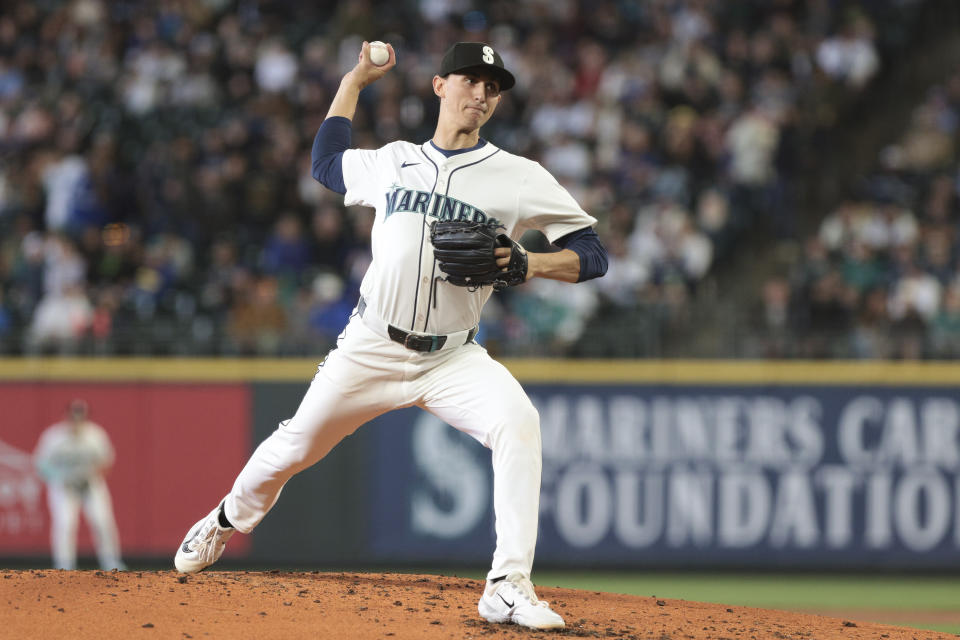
(464, 251)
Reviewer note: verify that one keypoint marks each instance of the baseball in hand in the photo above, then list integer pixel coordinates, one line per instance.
(379, 54)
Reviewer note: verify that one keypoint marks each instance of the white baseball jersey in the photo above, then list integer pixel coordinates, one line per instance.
(67, 456)
(412, 185)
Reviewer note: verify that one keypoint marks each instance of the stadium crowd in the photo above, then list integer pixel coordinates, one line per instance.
(881, 277)
(156, 198)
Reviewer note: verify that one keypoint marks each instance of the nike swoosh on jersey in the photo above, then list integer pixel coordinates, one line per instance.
(408, 164)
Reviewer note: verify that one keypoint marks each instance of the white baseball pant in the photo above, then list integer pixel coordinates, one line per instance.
(65, 506)
(368, 375)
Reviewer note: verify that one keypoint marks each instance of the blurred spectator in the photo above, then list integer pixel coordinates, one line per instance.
(871, 336)
(286, 251)
(625, 275)
(945, 326)
(850, 56)
(63, 266)
(830, 313)
(752, 142)
(928, 144)
(103, 319)
(769, 332)
(257, 322)
(859, 268)
(330, 307)
(330, 240)
(70, 199)
(60, 321)
(665, 243)
(222, 272)
(915, 293)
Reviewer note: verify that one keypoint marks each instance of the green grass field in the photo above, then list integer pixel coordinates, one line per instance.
(920, 601)
(925, 602)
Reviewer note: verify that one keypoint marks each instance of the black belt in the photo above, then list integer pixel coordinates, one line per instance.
(416, 341)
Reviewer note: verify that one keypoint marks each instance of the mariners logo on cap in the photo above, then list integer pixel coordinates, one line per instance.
(467, 55)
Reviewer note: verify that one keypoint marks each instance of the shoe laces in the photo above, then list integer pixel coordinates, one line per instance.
(207, 538)
(524, 587)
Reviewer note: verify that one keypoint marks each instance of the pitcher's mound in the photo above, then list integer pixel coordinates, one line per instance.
(274, 604)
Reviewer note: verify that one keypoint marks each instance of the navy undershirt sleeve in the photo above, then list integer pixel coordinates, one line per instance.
(333, 138)
(586, 244)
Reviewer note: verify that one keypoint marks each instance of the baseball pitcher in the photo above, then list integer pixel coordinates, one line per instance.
(449, 212)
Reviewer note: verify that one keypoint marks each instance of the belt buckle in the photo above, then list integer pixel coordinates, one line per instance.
(414, 342)
(422, 343)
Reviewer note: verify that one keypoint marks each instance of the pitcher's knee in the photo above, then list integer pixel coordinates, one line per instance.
(521, 425)
(296, 450)
(285, 451)
(296, 458)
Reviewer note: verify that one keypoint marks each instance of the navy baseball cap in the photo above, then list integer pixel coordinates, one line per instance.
(469, 55)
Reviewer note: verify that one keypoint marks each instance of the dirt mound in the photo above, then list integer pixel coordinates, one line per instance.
(274, 604)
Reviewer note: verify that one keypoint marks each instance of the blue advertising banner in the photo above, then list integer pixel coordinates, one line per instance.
(432, 491)
(682, 475)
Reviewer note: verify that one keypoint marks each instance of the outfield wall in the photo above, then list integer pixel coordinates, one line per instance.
(646, 464)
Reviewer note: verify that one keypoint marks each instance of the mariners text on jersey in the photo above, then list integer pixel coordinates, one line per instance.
(401, 199)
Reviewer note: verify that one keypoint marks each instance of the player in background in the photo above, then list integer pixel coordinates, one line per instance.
(410, 339)
(72, 456)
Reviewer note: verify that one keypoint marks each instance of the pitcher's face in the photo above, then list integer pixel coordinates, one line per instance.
(467, 99)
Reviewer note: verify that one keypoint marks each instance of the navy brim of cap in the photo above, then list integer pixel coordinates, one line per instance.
(505, 77)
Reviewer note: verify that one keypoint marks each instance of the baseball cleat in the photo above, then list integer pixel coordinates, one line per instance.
(513, 600)
(203, 545)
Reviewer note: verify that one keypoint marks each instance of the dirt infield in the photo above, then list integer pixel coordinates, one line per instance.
(96, 604)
